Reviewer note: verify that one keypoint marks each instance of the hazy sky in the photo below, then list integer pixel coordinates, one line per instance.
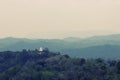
(59, 18)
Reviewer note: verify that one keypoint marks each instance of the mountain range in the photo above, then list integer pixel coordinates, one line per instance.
(98, 46)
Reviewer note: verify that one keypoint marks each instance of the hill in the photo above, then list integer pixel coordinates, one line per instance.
(29, 65)
(79, 46)
(104, 51)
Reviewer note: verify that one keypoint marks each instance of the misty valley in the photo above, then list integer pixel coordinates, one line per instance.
(59, 39)
(107, 47)
(94, 58)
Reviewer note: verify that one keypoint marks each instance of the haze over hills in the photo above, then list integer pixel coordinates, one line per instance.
(98, 46)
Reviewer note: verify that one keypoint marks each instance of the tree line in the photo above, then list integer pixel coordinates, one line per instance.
(29, 65)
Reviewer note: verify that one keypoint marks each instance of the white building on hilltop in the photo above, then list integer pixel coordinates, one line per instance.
(40, 50)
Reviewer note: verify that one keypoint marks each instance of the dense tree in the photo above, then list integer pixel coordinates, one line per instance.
(29, 65)
(118, 67)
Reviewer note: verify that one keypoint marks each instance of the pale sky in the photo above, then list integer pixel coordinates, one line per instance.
(59, 18)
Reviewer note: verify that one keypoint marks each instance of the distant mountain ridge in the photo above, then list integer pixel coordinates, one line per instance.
(104, 51)
(69, 45)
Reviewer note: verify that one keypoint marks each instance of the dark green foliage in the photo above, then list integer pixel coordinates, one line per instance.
(118, 66)
(29, 65)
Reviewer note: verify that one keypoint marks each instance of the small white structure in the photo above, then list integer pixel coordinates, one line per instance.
(40, 50)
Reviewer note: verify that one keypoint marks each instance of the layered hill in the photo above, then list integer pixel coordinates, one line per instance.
(102, 46)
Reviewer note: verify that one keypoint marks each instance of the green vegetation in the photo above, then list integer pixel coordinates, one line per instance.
(29, 65)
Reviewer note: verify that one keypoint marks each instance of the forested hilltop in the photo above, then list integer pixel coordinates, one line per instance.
(31, 65)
